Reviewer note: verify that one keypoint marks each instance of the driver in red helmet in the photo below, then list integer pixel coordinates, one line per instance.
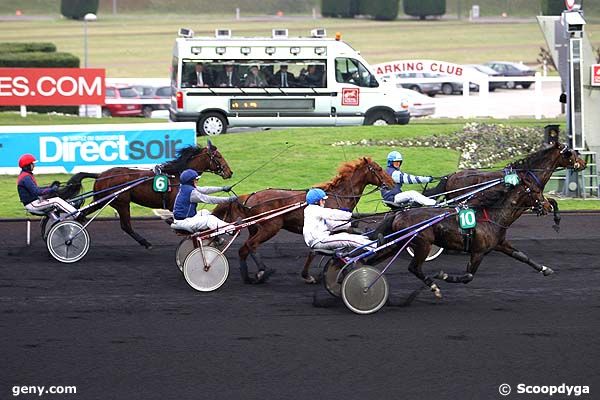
(35, 198)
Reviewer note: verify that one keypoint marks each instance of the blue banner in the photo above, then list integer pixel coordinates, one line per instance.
(93, 148)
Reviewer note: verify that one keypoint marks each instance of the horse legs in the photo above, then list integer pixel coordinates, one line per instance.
(258, 235)
(510, 251)
(125, 219)
(416, 267)
(308, 278)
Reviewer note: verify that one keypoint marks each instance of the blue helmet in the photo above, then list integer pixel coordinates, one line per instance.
(315, 195)
(188, 176)
(393, 156)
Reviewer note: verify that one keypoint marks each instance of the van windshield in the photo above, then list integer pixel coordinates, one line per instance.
(254, 73)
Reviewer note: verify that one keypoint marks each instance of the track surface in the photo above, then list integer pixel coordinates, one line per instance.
(123, 324)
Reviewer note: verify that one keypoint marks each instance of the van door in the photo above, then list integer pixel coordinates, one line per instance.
(357, 91)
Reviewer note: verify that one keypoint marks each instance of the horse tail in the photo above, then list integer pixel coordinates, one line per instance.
(440, 188)
(73, 186)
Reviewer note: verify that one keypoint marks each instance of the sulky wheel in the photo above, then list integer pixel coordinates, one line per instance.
(184, 248)
(205, 269)
(434, 252)
(357, 295)
(330, 276)
(68, 241)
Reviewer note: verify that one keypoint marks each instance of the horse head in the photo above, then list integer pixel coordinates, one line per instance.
(375, 175)
(570, 158)
(209, 159)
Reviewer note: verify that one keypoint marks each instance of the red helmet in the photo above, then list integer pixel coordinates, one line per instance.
(26, 159)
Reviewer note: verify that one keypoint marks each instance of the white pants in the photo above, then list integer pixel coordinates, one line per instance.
(341, 240)
(412, 195)
(201, 221)
(43, 205)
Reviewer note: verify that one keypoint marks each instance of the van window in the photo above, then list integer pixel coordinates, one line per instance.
(254, 73)
(174, 71)
(349, 70)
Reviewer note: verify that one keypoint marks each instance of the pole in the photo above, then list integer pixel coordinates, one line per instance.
(114, 7)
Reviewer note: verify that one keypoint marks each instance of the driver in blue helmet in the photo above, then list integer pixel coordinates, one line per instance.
(318, 223)
(184, 211)
(395, 194)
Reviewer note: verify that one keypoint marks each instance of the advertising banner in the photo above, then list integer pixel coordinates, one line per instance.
(93, 148)
(51, 86)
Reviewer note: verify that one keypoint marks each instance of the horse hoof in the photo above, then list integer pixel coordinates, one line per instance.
(310, 280)
(436, 291)
(263, 275)
(467, 278)
(441, 275)
(546, 271)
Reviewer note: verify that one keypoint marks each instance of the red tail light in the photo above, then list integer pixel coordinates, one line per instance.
(179, 97)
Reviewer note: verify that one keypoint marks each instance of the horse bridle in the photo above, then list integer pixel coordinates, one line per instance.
(212, 162)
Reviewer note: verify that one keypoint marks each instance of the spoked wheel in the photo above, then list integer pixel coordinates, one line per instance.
(330, 274)
(434, 252)
(184, 248)
(68, 241)
(357, 295)
(205, 269)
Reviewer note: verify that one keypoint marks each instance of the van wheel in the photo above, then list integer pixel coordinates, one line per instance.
(147, 111)
(447, 89)
(106, 113)
(380, 118)
(526, 85)
(211, 124)
(511, 85)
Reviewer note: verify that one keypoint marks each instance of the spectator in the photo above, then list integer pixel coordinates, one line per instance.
(283, 78)
(228, 78)
(313, 78)
(200, 77)
(255, 78)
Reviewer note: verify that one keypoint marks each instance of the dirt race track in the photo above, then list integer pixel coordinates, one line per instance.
(123, 324)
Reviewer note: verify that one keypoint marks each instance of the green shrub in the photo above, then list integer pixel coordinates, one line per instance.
(424, 8)
(14, 47)
(339, 8)
(552, 7)
(39, 60)
(76, 9)
(383, 10)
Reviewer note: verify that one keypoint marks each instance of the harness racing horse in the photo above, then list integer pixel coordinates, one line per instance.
(563, 156)
(344, 191)
(496, 209)
(198, 158)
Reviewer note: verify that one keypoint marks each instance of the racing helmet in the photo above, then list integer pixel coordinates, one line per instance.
(393, 156)
(26, 159)
(315, 195)
(188, 176)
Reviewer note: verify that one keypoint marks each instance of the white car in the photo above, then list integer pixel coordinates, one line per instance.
(419, 105)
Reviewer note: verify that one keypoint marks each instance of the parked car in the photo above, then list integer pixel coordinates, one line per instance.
(452, 87)
(428, 88)
(493, 85)
(419, 105)
(505, 68)
(153, 92)
(121, 110)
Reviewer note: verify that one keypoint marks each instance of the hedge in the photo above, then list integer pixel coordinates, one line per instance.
(15, 47)
(424, 8)
(39, 60)
(552, 7)
(76, 9)
(339, 8)
(382, 10)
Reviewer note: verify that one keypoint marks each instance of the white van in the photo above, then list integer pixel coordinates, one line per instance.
(223, 82)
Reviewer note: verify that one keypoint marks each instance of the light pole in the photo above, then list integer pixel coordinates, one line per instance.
(87, 17)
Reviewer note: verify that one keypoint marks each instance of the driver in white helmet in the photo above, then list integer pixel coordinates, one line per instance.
(318, 221)
(395, 194)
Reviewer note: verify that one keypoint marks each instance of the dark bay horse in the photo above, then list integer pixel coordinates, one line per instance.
(344, 190)
(496, 210)
(198, 158)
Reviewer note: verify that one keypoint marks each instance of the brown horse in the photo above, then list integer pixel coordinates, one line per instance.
(496, 211)
(198, 158)
(344, 190)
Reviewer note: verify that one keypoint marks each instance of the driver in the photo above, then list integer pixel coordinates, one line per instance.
(184, 210)
(318, 221)
(38, 199)
(395, 194)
